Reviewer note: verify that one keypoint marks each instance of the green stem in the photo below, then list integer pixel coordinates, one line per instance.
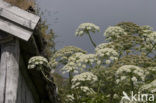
(111, 97)
(70, 79)
(46, 77)
(99, 86)
(91, 39)
(132, 85)
(151, 49)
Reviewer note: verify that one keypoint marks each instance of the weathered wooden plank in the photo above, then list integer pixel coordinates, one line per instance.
(2, 76)
(18, 15)
(10, 71)
(15, 30)
(24, 95)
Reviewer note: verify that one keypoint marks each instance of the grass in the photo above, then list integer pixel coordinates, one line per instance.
(23, 4)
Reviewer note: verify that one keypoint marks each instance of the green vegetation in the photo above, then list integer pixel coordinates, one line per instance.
(124, 62)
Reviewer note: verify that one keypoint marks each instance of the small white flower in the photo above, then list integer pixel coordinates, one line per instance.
(123, 78)
(83, 66)
(98, 62)
(134, 79)
(117, 81)
(108, 61)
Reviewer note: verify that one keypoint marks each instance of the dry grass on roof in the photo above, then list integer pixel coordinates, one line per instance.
(23, 4)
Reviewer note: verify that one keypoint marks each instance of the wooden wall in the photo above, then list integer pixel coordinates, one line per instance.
(24, 95)
(13, 88)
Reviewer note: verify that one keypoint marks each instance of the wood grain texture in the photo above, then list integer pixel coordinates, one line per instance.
(2, 77)
(18, 15)
(15, 30)
(9, 71)
(16, 21)
(13, 88)
(24, 95)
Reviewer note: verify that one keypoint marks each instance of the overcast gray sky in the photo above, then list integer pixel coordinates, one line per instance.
(64, 16)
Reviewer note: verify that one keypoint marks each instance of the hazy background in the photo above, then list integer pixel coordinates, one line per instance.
(64, 16)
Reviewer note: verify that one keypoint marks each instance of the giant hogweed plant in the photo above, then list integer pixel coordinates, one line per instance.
(125, 61)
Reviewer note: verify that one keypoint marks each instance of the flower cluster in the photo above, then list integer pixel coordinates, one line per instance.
(53, 63)
(83, 77)
(81, 80)
(152, 37)
(85, 60)
(85, 28)
(124, 72)
(108, 54)
(37, 61)
(104, 45)
(86, 76)
(114, 32)
(72, 66)
(152, 69)
(130, 27)
(150, 40)
(146, 27)
(62, 55)
(147, 32)
(78, 61)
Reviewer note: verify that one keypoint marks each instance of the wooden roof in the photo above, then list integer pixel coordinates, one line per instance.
(16, 21)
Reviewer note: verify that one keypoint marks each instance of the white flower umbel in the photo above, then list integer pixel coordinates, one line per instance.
(84, 28)
(72, 65)
(86, 60)
(104, 45)
(151, 69)
(146, 30)
(37, 61)
(86, 76)
(146, 27)
(106, 54)
(114, 32)
(62, 55)
(152, 37)
(149, 38)
(127, 71)
(83, 77)
(78, 62)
